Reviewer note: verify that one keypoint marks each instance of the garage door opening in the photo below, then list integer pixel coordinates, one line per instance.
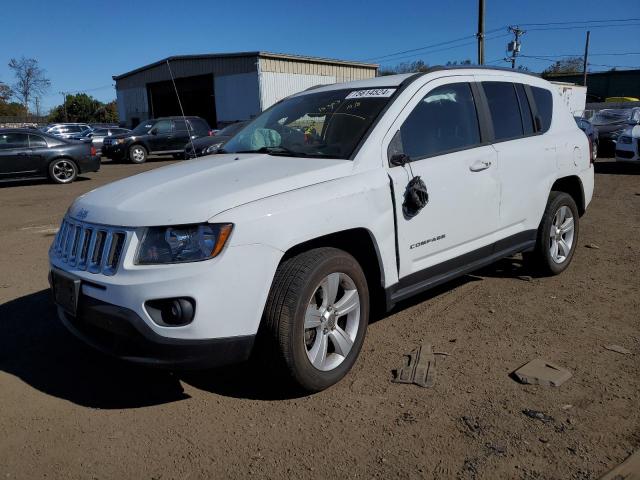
(196, 94)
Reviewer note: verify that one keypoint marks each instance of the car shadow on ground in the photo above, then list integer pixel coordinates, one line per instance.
(34, 182)
(611, 167)
(35, 347)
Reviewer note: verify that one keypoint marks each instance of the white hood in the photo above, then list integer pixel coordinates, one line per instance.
(195, 190)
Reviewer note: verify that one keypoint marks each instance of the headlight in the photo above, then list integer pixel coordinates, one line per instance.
(183, 243)
(213, 148)
(118, 141)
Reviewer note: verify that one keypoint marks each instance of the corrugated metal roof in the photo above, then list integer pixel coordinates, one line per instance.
(282, 56)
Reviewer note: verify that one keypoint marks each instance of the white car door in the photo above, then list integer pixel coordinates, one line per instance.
(440, 132)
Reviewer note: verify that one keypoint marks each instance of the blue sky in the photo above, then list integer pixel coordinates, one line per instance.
(82, 44)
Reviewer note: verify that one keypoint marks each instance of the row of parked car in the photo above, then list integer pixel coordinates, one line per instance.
(613, 131)
(62, 151)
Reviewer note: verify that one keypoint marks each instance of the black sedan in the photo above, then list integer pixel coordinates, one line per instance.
(28, 154)
(611, 122)
(209, 145)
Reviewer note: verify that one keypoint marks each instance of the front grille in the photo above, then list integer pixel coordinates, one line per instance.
(95, 248)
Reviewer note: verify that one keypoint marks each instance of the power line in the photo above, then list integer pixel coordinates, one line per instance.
(426, 47)
(584, 26)
(590, 54)
(582, 21)
(442, 49)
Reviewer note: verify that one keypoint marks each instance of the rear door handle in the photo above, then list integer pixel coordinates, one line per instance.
(480, 165)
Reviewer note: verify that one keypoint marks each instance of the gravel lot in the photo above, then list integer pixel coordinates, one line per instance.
(67, 412)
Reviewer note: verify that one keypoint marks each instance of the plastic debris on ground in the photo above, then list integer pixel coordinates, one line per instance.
(542, 372)
(618, 349)
(418, 367)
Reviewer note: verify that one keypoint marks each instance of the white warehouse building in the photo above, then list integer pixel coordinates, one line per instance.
(225, 88)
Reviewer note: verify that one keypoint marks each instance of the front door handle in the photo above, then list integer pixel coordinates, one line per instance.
(480, 165)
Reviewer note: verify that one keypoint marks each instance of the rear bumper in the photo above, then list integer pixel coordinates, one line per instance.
(120, 332)
(90, 164)
(113, 151)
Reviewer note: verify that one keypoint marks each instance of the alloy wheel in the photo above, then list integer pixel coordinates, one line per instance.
(561, 234)
(63, 170)
(331, 321)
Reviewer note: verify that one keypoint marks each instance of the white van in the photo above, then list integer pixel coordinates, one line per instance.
(334, 200)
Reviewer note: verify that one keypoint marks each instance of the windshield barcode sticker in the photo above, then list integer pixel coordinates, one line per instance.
(371, 93)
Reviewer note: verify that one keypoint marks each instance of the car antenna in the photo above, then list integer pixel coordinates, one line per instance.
(181, 109)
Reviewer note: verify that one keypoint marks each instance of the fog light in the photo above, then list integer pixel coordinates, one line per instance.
(171, 312)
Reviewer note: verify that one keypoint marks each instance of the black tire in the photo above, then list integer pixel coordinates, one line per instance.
(541, 259)
(63, 170)
(137, 154)
(284, 341)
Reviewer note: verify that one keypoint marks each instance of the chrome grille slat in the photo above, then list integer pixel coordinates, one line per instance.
(96, 248)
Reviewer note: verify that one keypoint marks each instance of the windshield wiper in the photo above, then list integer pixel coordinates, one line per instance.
(275, 151)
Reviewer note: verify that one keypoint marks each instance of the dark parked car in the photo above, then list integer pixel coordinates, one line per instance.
(97, 136)
(65, 130)
(26, 153)
(161, 136)
(611, 122)
(592, 134)
(209, 145)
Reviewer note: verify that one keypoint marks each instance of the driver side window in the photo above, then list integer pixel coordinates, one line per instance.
(445, 120)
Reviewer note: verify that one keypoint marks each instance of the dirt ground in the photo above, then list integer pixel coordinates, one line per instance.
(67, 412)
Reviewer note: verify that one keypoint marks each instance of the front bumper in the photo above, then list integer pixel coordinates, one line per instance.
(120, 332)
(114, 150)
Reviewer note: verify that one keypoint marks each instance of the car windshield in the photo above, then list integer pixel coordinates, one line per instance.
(604, 117)
(321, 124)
(142, 129)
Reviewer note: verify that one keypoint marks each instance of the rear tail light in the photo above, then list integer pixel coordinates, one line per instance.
(211, 133)
(93, 150)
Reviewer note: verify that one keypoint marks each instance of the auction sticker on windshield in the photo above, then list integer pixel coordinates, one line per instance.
(370, 93)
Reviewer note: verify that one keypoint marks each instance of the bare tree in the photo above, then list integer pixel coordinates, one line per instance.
(31, 80)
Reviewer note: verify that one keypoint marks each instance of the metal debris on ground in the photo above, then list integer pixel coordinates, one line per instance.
(592, 245)
(526, 278)
(541, 372)
(627, 470)
(419, 367)
(535, 414)
(618, 349)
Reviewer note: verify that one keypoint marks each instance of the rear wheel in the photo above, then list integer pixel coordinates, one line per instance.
(63, 170)
(137, 154)
(316, 317)
(557, 235)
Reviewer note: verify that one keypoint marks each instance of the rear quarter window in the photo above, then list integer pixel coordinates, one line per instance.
(544, 106)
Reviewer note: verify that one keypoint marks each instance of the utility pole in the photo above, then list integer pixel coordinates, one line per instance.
(64, 104)
(480, 34)
(586, 55)
(514, 46)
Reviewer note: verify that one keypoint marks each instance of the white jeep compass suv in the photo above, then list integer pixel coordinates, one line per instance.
(333, 200)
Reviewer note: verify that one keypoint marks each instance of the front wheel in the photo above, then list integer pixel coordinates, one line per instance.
(316, 317)
(557, 235)
(63, 171)
(137, 154)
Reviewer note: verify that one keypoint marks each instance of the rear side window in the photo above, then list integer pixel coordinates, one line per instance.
(544, 105)
(443, 121)
(525, 110)
(36, 141)
(180, 125)
(504, 108)
(198, 125)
